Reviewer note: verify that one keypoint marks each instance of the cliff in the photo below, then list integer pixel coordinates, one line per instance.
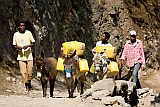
(53, 22)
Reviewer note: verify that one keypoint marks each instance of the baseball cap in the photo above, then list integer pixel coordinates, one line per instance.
(133, 32)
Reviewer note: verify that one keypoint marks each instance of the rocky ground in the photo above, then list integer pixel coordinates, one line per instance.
(13, 94)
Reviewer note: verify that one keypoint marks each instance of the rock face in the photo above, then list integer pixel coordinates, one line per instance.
(121, 97)
(53, 22)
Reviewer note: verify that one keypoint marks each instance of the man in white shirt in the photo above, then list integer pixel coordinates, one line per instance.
(23, 41)
(104, 42)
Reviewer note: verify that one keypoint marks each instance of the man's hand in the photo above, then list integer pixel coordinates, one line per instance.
(122, 61)
(19, 47)
(25, 47)
(142, 68)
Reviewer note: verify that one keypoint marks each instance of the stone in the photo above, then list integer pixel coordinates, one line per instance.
(105, 84)
(99, 94)
(113, 100)
(8, 78)
(87, 93)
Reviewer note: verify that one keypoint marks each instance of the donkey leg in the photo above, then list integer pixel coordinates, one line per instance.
(95, 77)
(82, 79)
(68, 86)
(71, 87)
(100, 75)
(82, 86)
(52, 81)
(76, 84)
(44, 88)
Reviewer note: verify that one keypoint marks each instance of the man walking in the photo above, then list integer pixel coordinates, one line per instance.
(23, 41)
(134, 55)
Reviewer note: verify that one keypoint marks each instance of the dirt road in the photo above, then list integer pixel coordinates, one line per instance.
(12, 93)
(35, 99)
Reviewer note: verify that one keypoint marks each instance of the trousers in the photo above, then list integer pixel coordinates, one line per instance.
(26, 69)
(135, 70)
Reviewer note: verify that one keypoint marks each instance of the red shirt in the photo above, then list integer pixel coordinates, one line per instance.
(133, 53)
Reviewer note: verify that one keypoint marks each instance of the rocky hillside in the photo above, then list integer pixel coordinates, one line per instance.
(55, 21)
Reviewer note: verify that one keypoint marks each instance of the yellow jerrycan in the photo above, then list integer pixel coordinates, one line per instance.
(100, 48)
(80, 47)
(83, 65)
(114, 67)
(111, 52)
(67, 46)
(73, 45)
(60, 65)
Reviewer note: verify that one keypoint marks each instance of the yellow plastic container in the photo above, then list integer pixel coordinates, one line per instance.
(72, 46)
(60, 65)
(111, 52)
(67, 46)
(100, 48)
(80, 47)
(83, 65)
(114, 67)
(92, 68)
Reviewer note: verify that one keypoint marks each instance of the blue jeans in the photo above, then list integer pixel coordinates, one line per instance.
(135, 70)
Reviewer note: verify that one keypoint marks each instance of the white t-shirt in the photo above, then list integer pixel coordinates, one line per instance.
(99, 43)
(23, 39)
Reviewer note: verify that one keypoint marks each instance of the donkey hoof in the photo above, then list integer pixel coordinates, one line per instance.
(44, 96)
(72, 96)
(52, 96)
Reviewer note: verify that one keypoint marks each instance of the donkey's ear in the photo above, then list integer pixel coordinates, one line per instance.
(42, 54)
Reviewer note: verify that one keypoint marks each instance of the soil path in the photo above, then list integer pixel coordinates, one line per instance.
(35, 99)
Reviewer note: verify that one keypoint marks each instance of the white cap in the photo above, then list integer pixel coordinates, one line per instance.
(133, 32)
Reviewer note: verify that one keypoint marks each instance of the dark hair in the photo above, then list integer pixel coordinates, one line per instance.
(107, 35)
(20, 21)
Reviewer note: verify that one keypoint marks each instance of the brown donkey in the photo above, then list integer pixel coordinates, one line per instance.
(73, 76)
(46, 71)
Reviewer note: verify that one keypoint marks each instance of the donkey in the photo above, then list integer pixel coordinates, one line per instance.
(73, 76)
(101, 64)
(46, 71)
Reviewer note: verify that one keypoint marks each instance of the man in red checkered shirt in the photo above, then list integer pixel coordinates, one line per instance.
(134, 55)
